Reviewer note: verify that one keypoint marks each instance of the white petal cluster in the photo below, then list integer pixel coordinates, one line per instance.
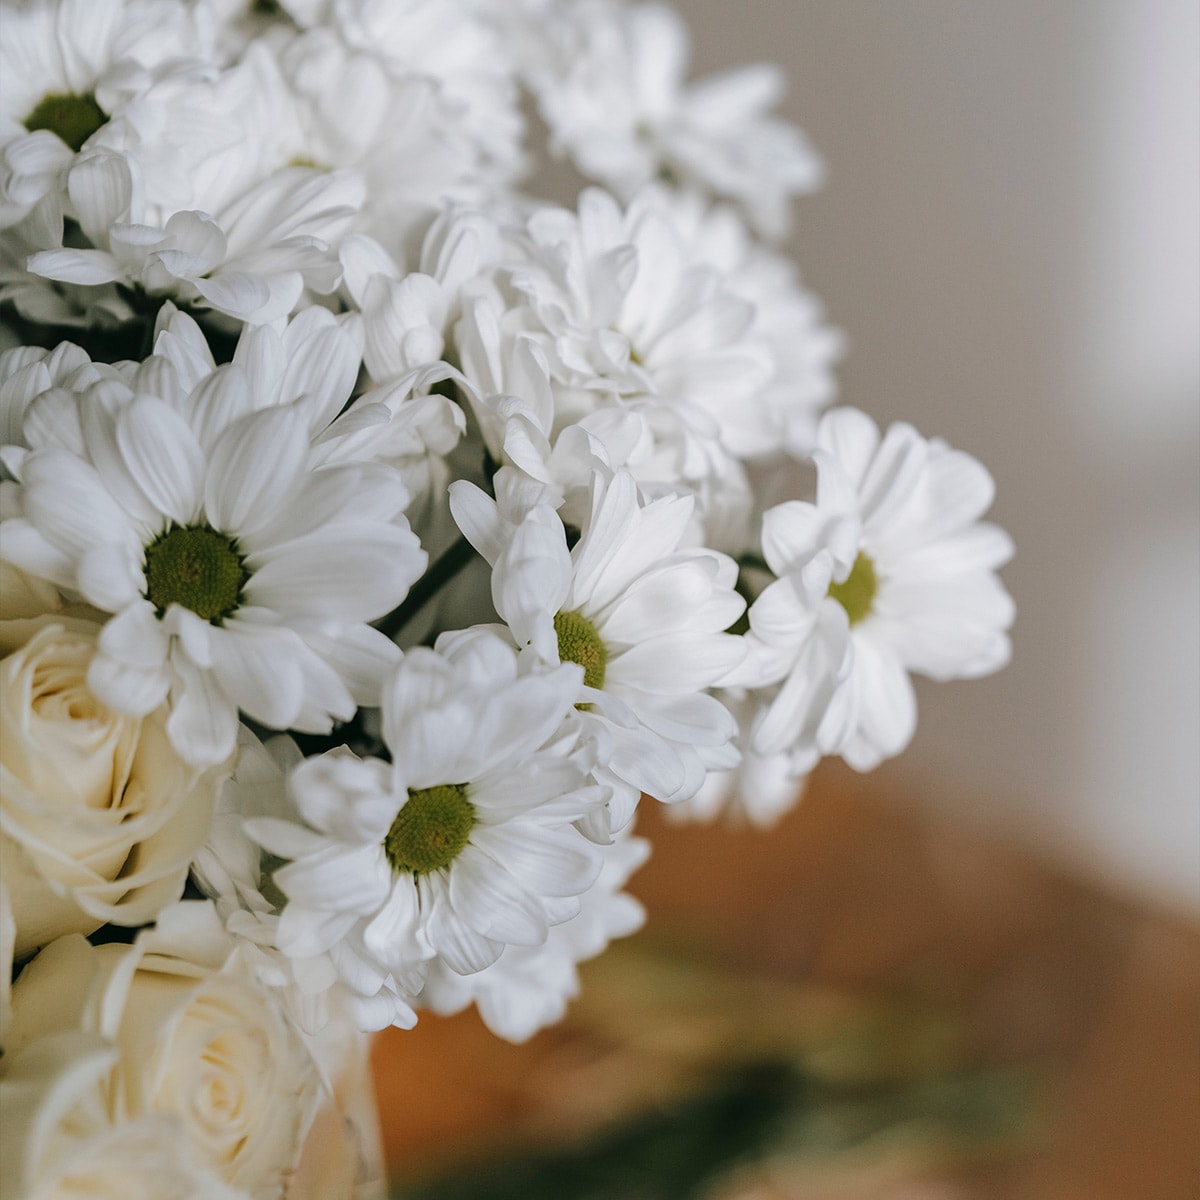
(164, 154)
(529, 987)
(683, 350)
(315, 418)
(72, 65)
(610, 83)
(889, 572)
(463, 844)
(192, 504)
(644, 615)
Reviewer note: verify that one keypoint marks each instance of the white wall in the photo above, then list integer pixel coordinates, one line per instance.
(1009, 235)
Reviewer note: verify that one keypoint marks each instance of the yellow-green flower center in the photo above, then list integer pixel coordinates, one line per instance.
(857, 593)
(578, 642)
(73, 118)
(431, 829)
(311, 164)
(197, 567)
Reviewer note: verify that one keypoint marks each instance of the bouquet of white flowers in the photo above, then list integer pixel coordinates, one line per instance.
(317, 422)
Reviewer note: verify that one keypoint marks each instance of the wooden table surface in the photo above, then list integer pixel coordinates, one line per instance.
(856, 894)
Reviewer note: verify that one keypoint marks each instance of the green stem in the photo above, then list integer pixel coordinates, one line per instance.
(443, 569)
(753, 562)
(748, 587)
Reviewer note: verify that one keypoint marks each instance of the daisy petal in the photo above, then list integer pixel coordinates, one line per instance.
(163, 456)
(393, 933)
(461, 948)
(203, 723)
(675, 663)
(551, 862)
(256, 666)
(345, 572)
(342, 878)
(110, 577)
(127, 689)
(487, 899)
(136, 638)
(305, 932)
(255, 469)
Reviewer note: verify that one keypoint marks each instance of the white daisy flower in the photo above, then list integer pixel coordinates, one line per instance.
(627, 319)
(645, 618)
(463, 844)
(342, 107)
(508, 387)
(449, 43)
(198, 189)
(614, 96)
(71, 66)
(623, 311)
(781, 415)
(234, 871)
(251, 261)
(529, 987)
(890, 571)
(407, 315)
(238, 573)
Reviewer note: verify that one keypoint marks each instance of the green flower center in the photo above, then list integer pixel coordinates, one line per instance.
(578, 642)
(431, 829)
(857, 593)
(303, 160)
(198, 568)
(73, 118)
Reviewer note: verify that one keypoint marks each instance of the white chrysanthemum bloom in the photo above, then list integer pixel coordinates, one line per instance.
(234, 871)
(644, 616)
(397, 124)
(407, 314)
(187, 502)
(613, 94)
(463, 844)
(198, 189)
(507, 384)
(251, 260)
(529, 987)
(781, 415)
(626, 318)
(448, 42)
(623, 311)
(890, 571)
(70, 66)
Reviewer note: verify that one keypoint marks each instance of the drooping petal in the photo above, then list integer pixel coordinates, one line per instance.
(550, 862)
(203, 723)
(257, 668)
(487, 899)
(462, 948)
(351, 879)
(136, 638)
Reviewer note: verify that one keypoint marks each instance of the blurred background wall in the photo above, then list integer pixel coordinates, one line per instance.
(1009, 234)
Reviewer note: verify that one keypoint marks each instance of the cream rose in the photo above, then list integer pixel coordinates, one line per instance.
(57, 1141)
(197, 1042)
(99, 817)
